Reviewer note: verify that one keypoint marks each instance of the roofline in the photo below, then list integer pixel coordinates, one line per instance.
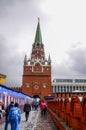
(13, 90)
(2, 75)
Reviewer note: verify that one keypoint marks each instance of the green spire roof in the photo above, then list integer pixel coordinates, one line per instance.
(38, 37)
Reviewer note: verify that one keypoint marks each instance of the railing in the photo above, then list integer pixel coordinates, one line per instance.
(68, 114)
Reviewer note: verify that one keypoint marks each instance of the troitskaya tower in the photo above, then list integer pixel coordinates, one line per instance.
(36, 79)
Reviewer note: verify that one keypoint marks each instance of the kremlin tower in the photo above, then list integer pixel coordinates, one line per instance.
(36, 79)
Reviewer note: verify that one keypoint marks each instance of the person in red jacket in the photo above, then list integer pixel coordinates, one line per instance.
(43, 107)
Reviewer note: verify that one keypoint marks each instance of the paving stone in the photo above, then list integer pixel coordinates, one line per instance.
(45, 123)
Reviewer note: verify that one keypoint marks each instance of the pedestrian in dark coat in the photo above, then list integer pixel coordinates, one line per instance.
(27, 109)
(7, 113)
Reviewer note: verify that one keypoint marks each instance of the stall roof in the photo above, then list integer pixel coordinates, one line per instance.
(6, 90)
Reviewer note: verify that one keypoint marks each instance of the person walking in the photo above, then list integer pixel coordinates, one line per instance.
(43, 107)
(27, 109)
(14, 117)
(7, 112)
(2, 111)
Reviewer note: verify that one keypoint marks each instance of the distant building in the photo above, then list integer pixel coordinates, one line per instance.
(68, 85)
(2, 79)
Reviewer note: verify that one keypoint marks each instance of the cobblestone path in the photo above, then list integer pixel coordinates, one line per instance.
(35, 122)
(45, 123)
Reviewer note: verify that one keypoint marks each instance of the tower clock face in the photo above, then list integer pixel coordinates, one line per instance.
(36, 87)
(27, 85)
(44, 85)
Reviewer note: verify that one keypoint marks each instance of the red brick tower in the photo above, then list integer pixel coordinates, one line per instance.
(36, 79)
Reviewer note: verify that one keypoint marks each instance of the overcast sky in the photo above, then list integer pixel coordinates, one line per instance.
(63, 28)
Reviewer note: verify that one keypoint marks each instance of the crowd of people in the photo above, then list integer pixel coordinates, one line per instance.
(13, 113)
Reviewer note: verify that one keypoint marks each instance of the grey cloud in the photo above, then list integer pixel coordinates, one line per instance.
(74, 66)
(3, 49)
(15, 69)
(15, 17)
(77, 56)
(11, 63)
(62, 70)
(20, 8)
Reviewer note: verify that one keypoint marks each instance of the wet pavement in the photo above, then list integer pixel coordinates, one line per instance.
(45, 123)
(35, 122)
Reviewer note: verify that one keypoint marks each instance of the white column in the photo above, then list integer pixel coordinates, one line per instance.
(56, 88)
(59, 88)
(53, 89)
